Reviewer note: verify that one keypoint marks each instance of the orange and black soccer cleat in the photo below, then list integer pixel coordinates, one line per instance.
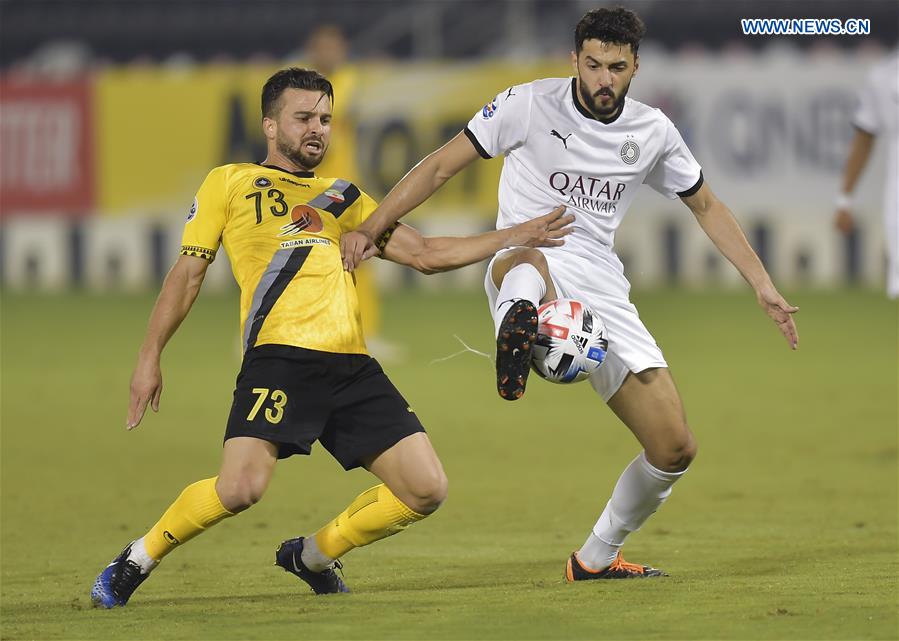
(517, 334)
(620, 569)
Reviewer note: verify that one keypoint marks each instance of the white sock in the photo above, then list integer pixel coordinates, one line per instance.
(312, 557)
(139, 555)
(521, 282)
(640, 491)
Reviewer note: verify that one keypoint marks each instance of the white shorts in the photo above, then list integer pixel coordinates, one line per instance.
(601, 285)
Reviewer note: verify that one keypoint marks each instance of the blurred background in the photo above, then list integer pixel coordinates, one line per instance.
(112, 112)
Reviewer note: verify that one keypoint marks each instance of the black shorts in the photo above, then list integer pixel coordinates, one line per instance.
(292, 397)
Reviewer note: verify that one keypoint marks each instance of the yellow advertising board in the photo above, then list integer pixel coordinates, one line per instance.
(160, 130)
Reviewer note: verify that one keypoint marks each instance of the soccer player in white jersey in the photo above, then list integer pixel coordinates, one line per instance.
(582, 143)
(877, 116)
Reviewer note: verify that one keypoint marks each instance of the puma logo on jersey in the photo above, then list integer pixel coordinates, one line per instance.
(559, 136)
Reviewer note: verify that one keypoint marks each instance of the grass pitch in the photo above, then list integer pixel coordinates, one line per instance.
(785, 527)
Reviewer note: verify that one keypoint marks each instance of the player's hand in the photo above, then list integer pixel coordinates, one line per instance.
(781, 312)
(844, 222)
(355, 247)
(146, 387)
(545, 231)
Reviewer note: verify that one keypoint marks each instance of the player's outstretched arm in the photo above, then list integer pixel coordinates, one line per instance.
(415, 188)
(430, 255)
(179, 291)
(862, 143)
(719, 224)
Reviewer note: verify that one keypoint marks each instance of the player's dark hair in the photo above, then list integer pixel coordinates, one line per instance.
(292, 78)
(618, 26)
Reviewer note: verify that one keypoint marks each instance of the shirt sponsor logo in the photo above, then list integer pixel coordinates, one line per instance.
(262, 182)
(588, 192)
(303, 218)
(292, 182)
(629, 152)
(488, 110)
(193, 210)
(302, 242)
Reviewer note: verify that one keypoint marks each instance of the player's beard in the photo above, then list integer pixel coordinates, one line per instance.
(296, 154)
(602, 113)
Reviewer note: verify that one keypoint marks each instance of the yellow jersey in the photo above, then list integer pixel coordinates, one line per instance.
(282, 233)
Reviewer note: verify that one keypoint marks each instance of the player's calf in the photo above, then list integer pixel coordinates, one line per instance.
(374, 515)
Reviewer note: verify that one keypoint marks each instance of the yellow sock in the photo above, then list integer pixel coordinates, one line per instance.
(197, 508)
(374, 515)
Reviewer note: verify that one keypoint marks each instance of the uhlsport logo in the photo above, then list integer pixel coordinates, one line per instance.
(303, 219)
(262, 182)
(630, 152)
(193, 210)
(170, 538)
(488, 110)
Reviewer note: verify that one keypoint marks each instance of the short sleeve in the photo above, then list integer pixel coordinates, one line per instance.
(206, 220)
(867, 116)
(676, 173)
(361, 208)
(502, 124)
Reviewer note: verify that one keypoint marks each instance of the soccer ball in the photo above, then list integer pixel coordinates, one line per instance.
(571, 341)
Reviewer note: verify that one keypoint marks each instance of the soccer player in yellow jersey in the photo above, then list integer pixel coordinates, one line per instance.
(305, 375)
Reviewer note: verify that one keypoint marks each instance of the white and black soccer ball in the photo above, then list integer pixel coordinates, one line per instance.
(571, 341)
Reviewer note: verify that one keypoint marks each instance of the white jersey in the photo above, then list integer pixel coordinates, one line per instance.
(557, 153)
(878, 114)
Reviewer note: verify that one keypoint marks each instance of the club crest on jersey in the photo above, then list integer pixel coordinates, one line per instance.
(303, 218)
(262, 182)
(193, 210)
(629, 152)
(334, 195)
(488, 110)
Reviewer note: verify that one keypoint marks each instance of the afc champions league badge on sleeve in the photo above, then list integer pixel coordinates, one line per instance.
(488, 110)
(193, 210)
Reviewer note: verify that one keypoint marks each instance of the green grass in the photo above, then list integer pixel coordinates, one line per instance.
(785, 527)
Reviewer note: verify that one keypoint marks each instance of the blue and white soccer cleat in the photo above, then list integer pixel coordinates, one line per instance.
(288, 556)
(118, 581)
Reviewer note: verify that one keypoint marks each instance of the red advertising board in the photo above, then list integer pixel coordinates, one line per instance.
(46, 148)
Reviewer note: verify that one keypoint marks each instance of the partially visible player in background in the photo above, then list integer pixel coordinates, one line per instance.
(876, 117)
(328, 51)
(306, 375)
(582, 142)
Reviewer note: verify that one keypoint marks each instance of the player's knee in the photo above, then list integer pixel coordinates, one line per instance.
(428, 493)
(686, 452)
(678, 453)
(242, 491)
(533, 257)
